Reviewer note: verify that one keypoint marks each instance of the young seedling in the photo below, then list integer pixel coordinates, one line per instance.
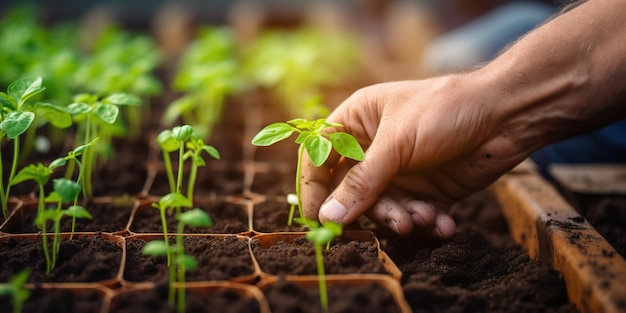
(320, 236)
(182, 262)
(312, 137)
(96, 117)
(208, 72)
(189, 146)
(167, 203)
(16, 290)
(17, 114)
(64, 191)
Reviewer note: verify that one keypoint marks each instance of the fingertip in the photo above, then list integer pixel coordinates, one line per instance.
(445, 227)
(333, 210)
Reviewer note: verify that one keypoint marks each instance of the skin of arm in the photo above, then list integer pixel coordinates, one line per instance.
(430, 143)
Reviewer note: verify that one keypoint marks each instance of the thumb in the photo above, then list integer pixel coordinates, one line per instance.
(360, 188)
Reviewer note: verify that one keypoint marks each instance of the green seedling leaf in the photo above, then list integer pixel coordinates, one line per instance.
(25, 88)
(198, 161)
(67, 189)
(53, 197)
(57, 163)
(173, 200)
(308, 223)
(16, 123)
(186, 261)
(77, 211)
(212, 151)
(335, 228)
(320, 235)
(57, 116)
(20, 279)
(346, 145)
(38, 173)
(107, 112)
(196, 218)
(7, 101)
(318, 148)
(155, 248)
(272, 133)
(47, 215)
(77, 108)
(182, 133)
(80, 149)
(123, 99)
(302, 137)
(166, 141)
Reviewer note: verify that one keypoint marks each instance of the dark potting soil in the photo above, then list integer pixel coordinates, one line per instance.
(479, 270)
(345, 256)
(272, 216)
(50, 300)
(228, 218)
(271, 184)
(228, 180)
(219, 258)
(107, 217)
(124, 172)
(288, 297)
(155, 301)
(83, 259)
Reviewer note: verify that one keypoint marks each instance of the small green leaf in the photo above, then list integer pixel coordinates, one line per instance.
(57, 116)
(334, 227)
(155, 248)
(272, 133)
(57, 163)
(77, 108)
(173, 200)
(38, 173)
(80, 149)
(7, 101)
(303, 136)
(77, 211)
(25, 88)
(20, 279)
(198, 161)
(187, 262)
(182, 133)
(53, 197)
(67, 189)
(212, 151)
(16, 123)
(196, 218)
(166, 141)
(123, 99)
(318, 148)
(346, 145)
(308, 223)
(320, 236)
(107, 112)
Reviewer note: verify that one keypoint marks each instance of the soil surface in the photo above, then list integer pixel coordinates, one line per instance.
(155, 301)
(272, 216)
(345, 256)
(110, 217)
(83, 259)
(44, 300)
(288, 297)
(219, 258)
(228, 218)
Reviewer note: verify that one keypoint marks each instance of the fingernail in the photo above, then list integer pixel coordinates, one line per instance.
(417, 219)
(334, 210)
(394, 226)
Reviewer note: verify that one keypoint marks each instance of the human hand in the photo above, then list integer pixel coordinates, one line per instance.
(428, 144)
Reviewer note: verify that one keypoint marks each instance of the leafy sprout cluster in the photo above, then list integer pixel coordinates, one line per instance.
(208, 72)
(314, 138)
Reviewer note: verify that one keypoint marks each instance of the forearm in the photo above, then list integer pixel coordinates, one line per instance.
(566, 77)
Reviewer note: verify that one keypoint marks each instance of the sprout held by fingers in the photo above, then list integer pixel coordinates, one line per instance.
(312, 137)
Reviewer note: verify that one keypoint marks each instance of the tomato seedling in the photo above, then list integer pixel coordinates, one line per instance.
(181, 261)
(312, 137)
(16, 290)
